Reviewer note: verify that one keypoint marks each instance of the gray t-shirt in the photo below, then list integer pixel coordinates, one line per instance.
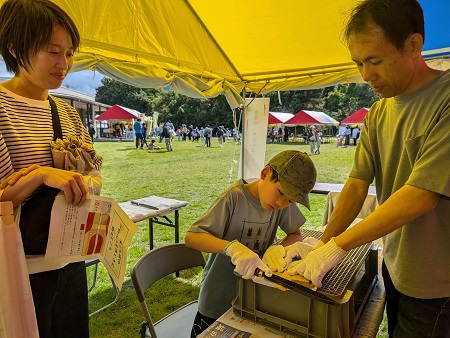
(406, 140)
(236, 214)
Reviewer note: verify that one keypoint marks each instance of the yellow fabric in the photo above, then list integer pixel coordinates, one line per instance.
(205, 48)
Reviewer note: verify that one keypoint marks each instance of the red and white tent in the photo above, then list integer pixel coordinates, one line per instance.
(117, 112)
(356, 117)
(306, 117)
(279, 118)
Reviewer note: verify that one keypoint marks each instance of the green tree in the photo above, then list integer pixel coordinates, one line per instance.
(345, 99)
(115, 92)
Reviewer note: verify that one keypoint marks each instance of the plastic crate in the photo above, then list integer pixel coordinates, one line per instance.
(302, 316)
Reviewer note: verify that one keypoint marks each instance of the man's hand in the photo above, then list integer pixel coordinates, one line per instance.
(274, 258)
(245, 260)
(297, 250)
(301, 249)
(318, 262)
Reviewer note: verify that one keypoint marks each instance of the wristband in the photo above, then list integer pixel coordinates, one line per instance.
(225, 249)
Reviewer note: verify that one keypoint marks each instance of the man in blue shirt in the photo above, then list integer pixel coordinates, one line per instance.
(138, 133)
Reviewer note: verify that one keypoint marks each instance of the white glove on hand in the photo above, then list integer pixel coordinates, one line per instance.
(245, 260)
(301, 249)
(297, 250)
(318, 263)
(274, 258)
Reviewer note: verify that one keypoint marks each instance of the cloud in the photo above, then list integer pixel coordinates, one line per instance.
(85, 81)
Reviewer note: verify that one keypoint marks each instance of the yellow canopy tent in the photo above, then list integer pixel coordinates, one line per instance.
(205, 48)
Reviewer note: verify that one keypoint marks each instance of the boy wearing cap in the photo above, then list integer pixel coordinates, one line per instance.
(241, 226)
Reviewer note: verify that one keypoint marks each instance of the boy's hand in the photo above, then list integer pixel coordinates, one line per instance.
(318, 262)
(274, 258)
(245, 260)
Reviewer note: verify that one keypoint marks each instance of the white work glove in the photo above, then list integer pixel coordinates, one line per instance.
(318, 262)
(301, 249)
(245, 260)
(274, 258)
(297, 250)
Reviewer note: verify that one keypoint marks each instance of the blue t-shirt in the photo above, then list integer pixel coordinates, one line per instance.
(137, 127)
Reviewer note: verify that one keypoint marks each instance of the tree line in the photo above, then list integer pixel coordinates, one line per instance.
(338, 101)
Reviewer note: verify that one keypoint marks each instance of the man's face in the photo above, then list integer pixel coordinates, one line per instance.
(387, 70)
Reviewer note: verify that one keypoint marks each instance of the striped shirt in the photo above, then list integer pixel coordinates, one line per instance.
(26, 131)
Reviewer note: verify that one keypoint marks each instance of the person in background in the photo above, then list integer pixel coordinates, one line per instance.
(318, 141)
(207, 132)
(285, 134)
(312, 140)
(37, 43)
(138, 133)
(118, 131)
(91, 131)
(167, 136)
(347, 133)
(153, 146)
(219, 134)
(355, 135)
(241, 225)
(144, 133)
(405, 147)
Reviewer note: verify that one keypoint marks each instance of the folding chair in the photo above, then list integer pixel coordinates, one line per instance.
(155, 265)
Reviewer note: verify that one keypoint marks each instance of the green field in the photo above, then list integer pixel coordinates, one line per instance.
(196, 174)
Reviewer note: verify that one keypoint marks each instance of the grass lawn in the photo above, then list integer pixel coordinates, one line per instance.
(196, 174)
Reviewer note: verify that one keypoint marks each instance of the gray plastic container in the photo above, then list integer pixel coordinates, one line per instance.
(303, 316)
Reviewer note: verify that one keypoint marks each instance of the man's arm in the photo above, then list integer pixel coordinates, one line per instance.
(404, 206)
(349, 204)
(401, 208)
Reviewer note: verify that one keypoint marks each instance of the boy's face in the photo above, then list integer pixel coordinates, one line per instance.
(271, 194)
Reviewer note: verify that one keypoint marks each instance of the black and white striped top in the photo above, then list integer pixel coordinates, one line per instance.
(26, 131)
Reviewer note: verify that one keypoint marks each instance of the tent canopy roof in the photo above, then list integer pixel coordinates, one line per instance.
(117, 112)
(356, 117)
(277, 118)
(205, 48)
(305, 117)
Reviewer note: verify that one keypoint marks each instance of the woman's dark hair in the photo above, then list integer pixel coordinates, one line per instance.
(397, 18)
(26, 27)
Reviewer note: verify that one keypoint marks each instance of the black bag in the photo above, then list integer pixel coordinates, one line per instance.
(36, 211)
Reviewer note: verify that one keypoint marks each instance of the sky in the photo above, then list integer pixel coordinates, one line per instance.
(85, 81)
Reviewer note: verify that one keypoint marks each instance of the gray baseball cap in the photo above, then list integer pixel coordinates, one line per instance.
(296, 173)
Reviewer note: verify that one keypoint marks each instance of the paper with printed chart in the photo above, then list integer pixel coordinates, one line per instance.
(98, 229)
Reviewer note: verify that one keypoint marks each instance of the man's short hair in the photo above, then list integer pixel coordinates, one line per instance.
(397, 18)
(26, 27)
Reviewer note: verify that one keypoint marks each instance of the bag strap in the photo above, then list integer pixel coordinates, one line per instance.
(57, 132)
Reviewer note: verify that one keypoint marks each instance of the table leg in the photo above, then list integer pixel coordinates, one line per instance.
(150, 231)
(177, 227)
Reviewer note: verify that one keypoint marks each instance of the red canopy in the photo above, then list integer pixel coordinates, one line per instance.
(356, 117)
(117, 112)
